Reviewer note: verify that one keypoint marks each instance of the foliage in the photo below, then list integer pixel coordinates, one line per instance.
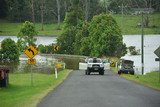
(48, 49)
(105, 37)
(3, 8)
(72, 19)
(9, 51)
(81, 35)
(26, 35)
(132, 50)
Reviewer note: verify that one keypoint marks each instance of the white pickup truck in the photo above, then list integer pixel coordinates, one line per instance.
(95, 65)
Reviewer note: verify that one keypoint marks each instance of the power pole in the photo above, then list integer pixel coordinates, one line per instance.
(142, 44)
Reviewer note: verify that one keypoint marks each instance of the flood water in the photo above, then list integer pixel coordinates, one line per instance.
(40, 40)
(151, 43)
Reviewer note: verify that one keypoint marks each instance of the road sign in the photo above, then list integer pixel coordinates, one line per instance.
(31, 51)
(157, 51)
(31, 61)
(55, 48)
(58, 65)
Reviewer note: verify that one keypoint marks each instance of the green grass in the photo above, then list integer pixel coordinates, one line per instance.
(20, 93)
(10, 28)
(150, 79)
(127, 24)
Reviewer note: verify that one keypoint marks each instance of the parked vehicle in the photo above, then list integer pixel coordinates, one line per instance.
(126, 66)
(95, 65)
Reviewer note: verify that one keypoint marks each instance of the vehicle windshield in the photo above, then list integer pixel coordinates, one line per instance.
(95, 61)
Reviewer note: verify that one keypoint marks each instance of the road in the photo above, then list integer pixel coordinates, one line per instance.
(109, 90)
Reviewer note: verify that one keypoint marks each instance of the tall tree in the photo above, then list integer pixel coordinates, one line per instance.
(32, 7)
(3, 8)
(26, 35)
(72, 18)
(42, 14)
(105, 37)
(87, 3)
(58, 12)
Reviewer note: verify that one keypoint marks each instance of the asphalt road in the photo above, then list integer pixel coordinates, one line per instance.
(110, 90)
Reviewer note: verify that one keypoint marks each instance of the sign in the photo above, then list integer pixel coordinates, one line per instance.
(157, 51)
(31, 61)
(31, 51)
(58, 65)
(56, 48)
(157, 59)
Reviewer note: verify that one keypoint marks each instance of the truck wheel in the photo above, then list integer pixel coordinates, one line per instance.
(101, 72)
(86, 72)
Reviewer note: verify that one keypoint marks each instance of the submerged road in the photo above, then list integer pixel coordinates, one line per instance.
(109, 90)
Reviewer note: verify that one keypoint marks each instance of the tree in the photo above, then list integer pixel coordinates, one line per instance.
(18, 10)
(72, 19)
(3, 8)
(32, 8)
(9, 51)
(81, 35)
(58, 11)
(105, 37)
(26, 35)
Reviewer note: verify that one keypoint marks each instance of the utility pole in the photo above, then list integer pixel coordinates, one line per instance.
(142, 44)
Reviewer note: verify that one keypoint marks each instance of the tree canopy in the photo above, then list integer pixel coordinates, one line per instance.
(26, 35)
(9, 51)
(104, 38)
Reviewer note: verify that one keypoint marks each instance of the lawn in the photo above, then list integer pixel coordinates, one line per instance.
(150, 79)
(20, 93)
(128, 25)
(12, 29)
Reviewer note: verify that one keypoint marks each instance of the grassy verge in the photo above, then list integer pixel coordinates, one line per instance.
(150, 79)
(20, 93)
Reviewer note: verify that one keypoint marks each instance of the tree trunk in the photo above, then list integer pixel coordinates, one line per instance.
(87, 9)
(32, 6)
(42, 14)
(58, 11)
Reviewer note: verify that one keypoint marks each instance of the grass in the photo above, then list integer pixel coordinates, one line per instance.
(10, 28)
(20, 93)
(129, 26)
(150, 79)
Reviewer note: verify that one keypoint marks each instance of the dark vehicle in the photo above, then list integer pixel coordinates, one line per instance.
(95, 65)
(126, 66)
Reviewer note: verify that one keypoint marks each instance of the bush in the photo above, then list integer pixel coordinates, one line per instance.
(9, 51)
